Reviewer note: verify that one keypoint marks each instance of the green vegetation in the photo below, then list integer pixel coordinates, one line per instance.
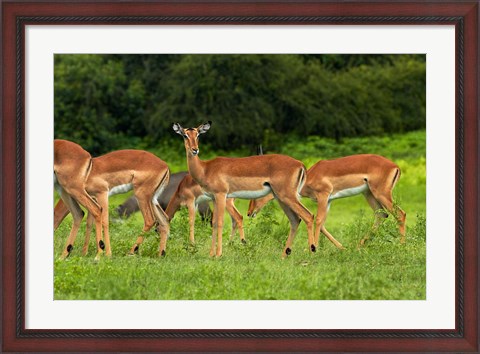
(109, 102)
(310, 107)
(382, 269)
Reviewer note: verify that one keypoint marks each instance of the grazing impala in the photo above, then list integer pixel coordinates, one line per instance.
(130, 206)
(119, 172)
(71, 168)
(373, 175)
(190, 194)
(247, 178)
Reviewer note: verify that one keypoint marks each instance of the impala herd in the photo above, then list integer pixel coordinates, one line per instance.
(84, 181)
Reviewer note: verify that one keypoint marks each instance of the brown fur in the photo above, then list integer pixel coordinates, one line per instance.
(146, 172)
(187, 192)
(222, 176)
(72, 166)
(328, 177)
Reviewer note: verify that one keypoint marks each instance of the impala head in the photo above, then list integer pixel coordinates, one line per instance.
(190, 136)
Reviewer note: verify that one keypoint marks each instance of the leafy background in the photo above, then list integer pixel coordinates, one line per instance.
(310, 107)
(108, 102)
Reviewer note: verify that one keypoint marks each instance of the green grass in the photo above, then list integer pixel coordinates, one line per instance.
(381, 269)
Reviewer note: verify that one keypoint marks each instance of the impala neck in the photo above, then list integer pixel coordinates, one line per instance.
(196, 167)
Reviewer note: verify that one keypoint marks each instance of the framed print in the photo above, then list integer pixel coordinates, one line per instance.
(411, 85)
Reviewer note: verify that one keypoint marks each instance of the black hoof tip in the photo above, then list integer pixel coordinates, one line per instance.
(69, 248)
(101, 245)
(288, 251)
(244, 241)
(163, 253)
(135, 250)
(313, 248)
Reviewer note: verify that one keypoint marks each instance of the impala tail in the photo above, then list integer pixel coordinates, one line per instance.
(163, 183)
(396, 177)
(302, 177)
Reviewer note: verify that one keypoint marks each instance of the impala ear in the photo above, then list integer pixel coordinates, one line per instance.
(204, 127)
(178, 129)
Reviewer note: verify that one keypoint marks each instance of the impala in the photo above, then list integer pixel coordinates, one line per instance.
(130, 206)
(373, 176)
(119, 172)
(247, 178)
(61, 211)
(71, 167)
(190, 194)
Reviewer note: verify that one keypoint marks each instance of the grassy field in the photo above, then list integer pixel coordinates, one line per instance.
(382, 269)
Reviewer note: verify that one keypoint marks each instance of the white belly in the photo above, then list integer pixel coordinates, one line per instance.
(122, 188)
(250, 194)
(348, 192)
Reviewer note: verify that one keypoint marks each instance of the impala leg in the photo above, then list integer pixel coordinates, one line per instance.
(191, 220)
(382, 192)
(98, 236)
(214, 229)
(71, 181)
(146, 208)
(88, 230)
(386, 201)
(152, 214)
(307, 217)
(102, 198)
(331, 238)
(237, 219)
(379, 214)
(220, 202)
(322, 211)
(59, 213)
(82, 197)
(137, 243)
(77, 214)
(234, 228)
(294, 204)
(294, 222)
(163, 226)
(160, 215)
(401, 217)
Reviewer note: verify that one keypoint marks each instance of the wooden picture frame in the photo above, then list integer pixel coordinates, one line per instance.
(17, 14)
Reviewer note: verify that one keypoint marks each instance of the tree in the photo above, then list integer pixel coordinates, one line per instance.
(107, 102)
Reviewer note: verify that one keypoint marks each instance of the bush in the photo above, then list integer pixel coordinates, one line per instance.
(107, 102)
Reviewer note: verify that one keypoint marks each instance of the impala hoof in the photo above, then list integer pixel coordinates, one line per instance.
(288, 251)
(101, 245)
(163, 254)
(313, 248)
(244, 241)
(69, 249)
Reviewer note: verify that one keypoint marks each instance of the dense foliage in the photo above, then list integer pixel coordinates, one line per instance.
(107, 102)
